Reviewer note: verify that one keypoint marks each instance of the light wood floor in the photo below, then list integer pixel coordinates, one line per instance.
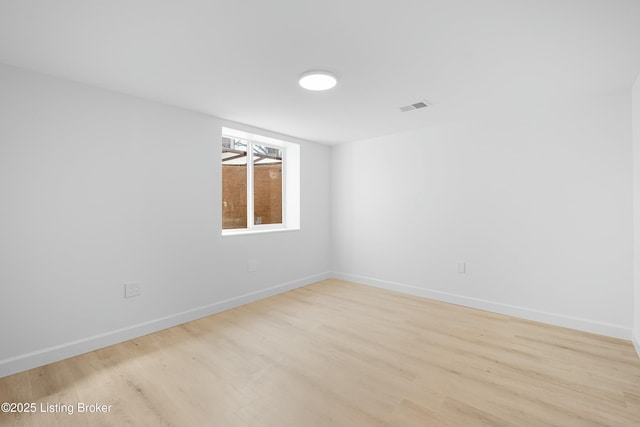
(340, 354)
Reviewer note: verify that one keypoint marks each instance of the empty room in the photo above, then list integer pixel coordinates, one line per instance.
(338, 213)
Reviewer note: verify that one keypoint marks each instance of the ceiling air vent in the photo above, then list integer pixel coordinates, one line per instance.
(416, 106)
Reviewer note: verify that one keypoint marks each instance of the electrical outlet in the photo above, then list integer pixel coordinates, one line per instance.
(252, 265)
(462, 267)
(132, 289)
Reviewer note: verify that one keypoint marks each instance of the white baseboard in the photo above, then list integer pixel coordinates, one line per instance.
(48, 355)
(581, 324)
(636, 341)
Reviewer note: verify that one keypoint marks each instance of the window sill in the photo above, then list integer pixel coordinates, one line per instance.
(243, 232)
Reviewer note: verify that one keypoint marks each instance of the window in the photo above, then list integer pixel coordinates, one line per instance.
(260, 183)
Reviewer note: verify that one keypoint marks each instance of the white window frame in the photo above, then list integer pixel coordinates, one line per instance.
(290, 183)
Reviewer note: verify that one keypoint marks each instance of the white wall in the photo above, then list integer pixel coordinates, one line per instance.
(635, 111)
(97, 189)
(538, 204)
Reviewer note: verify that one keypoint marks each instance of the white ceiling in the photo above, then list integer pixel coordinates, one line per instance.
(240, 59)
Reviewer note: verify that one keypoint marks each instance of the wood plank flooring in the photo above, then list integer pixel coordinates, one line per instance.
(339, 354)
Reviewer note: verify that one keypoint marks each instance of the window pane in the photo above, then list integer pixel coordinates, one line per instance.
(267, 185)
(234, 183)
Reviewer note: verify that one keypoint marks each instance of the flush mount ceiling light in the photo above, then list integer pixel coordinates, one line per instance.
(317, 80)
